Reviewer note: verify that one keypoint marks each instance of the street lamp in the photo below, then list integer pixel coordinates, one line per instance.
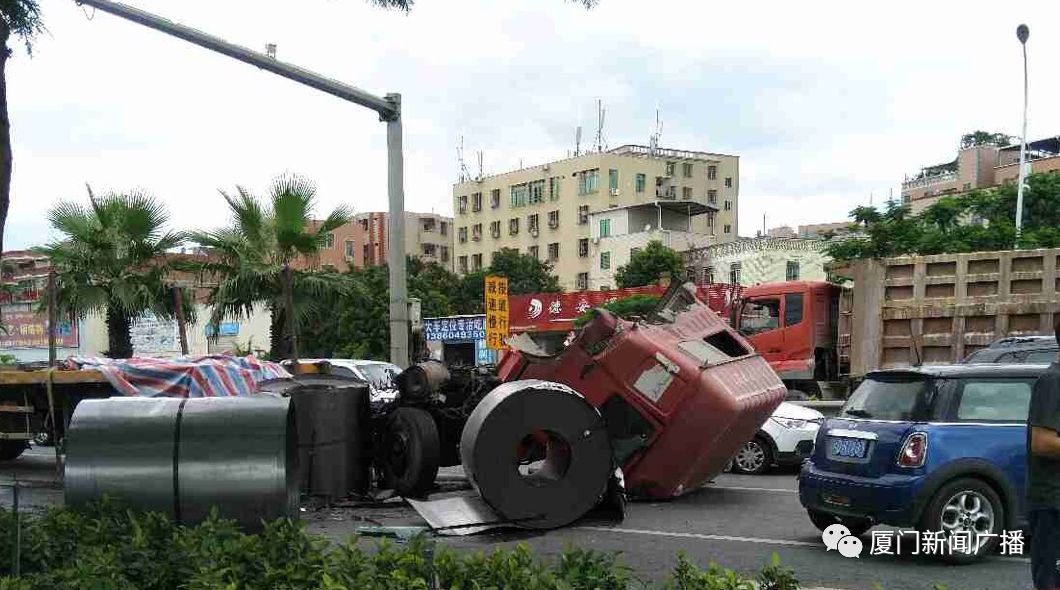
(1022, 32)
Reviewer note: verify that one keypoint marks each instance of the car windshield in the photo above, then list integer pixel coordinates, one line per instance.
(380, 375)
(890, 399)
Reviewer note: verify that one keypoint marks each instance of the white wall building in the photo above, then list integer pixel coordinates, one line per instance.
(617, 233)
(750, 261)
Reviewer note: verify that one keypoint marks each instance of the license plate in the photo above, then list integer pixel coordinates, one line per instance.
(849, 447)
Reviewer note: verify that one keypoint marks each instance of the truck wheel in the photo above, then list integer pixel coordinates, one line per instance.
(410, 452)
(11, 449)
(753, 458)
(823, 520)
(966, 505)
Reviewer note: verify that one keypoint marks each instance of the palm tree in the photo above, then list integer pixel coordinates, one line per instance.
(112, 260)
(251, 260)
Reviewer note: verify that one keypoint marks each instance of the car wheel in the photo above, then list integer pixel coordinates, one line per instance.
(966, 507)
(753, 458)
(822, 520)
(410, 452)
(796, 396)
(12, 449)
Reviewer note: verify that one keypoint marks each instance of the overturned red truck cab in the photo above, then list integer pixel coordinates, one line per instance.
(679, 391)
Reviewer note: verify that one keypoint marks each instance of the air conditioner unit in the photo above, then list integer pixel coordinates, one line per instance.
(534, 232)
(596, 240)
(614, 192)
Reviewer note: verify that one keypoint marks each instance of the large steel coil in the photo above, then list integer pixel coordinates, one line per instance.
(537, 452)
(184, 457)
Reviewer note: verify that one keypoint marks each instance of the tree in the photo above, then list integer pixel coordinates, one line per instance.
(251, 260)
(112, 260)
(525, 273)
(20, 18)
(634, 306)
(648, 265)
(985, 138)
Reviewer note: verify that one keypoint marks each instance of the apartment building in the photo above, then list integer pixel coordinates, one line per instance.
(978, 166)
(554, 211)
(751, 261)
(365, 240)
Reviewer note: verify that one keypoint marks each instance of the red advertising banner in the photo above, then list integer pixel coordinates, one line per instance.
(555, 312)
(24, 329)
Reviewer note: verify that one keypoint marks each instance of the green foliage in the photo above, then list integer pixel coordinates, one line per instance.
(22, 19)
(111, 259)
(979, 220)
(625, 308)
(104, 546)
(985, 138)
(648, 265)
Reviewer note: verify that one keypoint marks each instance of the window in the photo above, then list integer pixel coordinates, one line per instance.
(364, 224)
(712, 172)
(670, 166)
(553, 219)
(967, 186)
(329, 240)
(513, 226)
(553, 188)
(712, 197)
(583, 214)
(734, 273)
(708, 275)
(588, 181)
(905, 198)
(710, 222)
(531, 222)
(476, 262)
(430, 249)
(476, 202)
(349, 249)
(462, 234)
(582, 281)
(995, 400)
(728, 229)
(759, 315)
(686, 169)
(612, 180)
(443, 228)
(366, 253)
(728, 205)
(686, 192)
(728, 182)
(792, 309)
(461, 206)
(495, 229)
(495, 198)
(605, 287)
(444, 253)
(641, 181)
(791, 273)
(462, 264)
(553, 252)
(583, 248)
(476, 232)
(537, 191)
(605, 228)
(605, 260)
(633, 252)
(519, 194)
(534, 251)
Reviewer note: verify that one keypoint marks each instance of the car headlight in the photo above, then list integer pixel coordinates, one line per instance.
(793, 423)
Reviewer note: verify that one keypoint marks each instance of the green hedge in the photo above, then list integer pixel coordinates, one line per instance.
(105, 547)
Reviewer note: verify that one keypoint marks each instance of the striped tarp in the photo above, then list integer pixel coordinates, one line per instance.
(203, 376)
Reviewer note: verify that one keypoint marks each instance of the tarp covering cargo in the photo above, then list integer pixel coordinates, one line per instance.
(203, 376)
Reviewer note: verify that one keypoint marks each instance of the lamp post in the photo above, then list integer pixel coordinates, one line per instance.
(1022, 32)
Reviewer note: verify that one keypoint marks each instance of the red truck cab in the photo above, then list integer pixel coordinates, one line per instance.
(794, 325)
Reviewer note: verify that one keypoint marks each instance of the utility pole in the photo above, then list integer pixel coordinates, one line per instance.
(389, 109)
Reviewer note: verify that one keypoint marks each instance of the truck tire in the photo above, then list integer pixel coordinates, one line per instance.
(12, 449)
(410, 452)
(966, 504)
(822, 520)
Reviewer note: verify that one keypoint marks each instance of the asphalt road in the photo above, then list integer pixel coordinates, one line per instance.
(738, 522)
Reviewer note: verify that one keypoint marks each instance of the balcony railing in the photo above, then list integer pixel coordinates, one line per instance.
(929, 180)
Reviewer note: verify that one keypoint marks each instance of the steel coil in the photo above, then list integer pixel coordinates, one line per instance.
(183, 457)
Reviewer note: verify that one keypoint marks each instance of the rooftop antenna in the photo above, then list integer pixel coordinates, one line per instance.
(764, 231)
(480, 165)
(578, 142)
(653, 139)
(464, 174)
(600, 113)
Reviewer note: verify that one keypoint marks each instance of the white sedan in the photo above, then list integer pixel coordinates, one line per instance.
(378, 374)
(785, 439)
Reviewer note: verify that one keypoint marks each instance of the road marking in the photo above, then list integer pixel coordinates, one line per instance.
(701, 536)
(744, 488)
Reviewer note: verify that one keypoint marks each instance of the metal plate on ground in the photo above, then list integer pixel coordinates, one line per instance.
(458, 515)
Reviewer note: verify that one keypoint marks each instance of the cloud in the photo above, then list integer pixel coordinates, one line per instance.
(825, 103)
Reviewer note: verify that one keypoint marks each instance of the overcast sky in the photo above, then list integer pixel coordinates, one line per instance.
(824, 102)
